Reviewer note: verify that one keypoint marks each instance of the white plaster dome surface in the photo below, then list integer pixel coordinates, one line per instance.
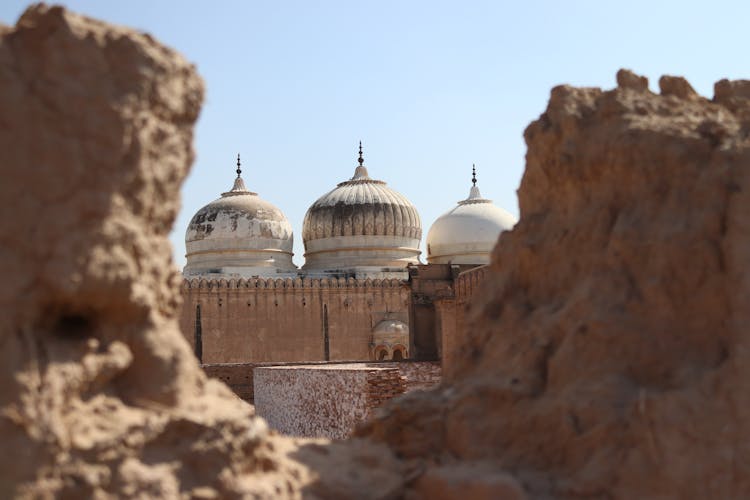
(467, 233)
(239, 234)
(361, 223)
(391, 326)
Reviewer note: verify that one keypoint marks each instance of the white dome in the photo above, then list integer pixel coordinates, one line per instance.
(467, 233)
(391, 327)
(362, 223)
(239, 234)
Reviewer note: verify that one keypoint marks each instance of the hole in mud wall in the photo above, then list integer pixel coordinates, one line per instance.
(74, 326)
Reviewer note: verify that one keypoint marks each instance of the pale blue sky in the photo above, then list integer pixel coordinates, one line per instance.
(430, 87)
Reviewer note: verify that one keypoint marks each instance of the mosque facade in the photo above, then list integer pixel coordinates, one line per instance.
(362, 293)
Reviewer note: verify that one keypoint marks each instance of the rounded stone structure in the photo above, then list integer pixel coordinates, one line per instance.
(467, 233)
(239, 234)
(362, 223)
(390, 340)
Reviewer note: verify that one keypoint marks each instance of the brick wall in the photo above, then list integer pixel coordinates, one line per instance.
(239, 376)
(420, 375)
(468, 283)
(267, 320)
(329, 399)
(310, 400)
(454, 317)
(382, 384)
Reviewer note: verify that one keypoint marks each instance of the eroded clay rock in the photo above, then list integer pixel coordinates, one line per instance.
(467, 480)
(100, 396)
(608, 358)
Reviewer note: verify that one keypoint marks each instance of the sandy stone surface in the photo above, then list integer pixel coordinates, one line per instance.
(100, 395)
(608, 358)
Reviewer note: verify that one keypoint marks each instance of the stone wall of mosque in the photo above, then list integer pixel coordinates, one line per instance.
(288, 320)
(419, 375)
(239, 376)
(452, 314)
(317, 402)
(330, 399)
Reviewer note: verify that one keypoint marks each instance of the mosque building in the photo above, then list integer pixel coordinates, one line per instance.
(362, 293)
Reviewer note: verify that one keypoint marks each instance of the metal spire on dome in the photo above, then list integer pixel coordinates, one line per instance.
(239, 184)
(360, 173)
(474, 195)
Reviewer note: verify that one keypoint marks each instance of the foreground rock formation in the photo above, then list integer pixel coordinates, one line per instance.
(100, 395)
(610, 356)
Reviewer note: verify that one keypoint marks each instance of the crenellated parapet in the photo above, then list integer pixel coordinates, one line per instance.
(468, 282)
(291, 283)
(293, 318)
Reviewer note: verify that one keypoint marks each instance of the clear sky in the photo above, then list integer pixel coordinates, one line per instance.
(430, 87)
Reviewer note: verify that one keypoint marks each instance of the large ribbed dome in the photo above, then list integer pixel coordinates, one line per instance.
(239, 234)
(467, 233)
(361, 223)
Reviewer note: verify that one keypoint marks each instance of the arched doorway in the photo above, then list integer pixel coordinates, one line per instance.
(381, 353)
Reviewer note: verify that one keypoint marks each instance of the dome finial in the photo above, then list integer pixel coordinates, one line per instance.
(474, 195)
(239, 184)
(360, 173)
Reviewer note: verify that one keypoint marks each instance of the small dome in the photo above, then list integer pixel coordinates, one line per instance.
(391, 327)
(361, 223)
(467, 233)
(239, 234)
(390, 340)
